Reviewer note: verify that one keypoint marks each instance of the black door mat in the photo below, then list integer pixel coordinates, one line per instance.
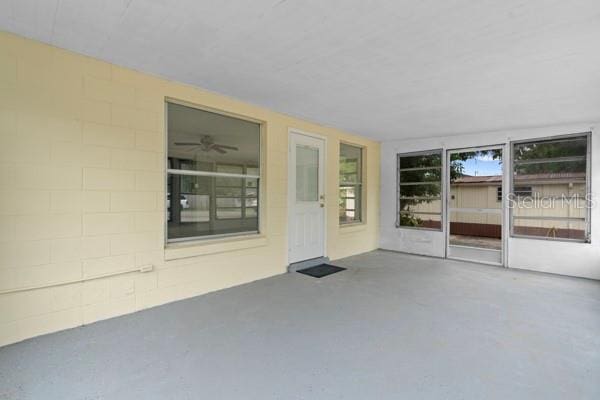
(320, 271)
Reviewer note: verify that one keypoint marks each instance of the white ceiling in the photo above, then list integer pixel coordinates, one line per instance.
(384, 69)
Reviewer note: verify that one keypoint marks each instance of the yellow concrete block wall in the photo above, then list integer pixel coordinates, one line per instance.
(82, 193)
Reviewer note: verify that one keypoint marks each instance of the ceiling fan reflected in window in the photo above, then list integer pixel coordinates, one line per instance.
(207, 143)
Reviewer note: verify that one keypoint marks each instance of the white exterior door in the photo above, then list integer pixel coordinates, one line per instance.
(306, 197)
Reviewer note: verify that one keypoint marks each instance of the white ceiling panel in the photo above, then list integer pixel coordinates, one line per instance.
(384, 69)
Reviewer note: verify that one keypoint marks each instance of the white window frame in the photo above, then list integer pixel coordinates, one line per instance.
(171, 171)
(587, 237)
(359, 184)
(441, 183)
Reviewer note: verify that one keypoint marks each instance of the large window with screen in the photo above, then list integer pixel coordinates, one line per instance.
(212, 174)
(549, 196)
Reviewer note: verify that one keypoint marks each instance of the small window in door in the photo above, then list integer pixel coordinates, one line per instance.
(307, 173)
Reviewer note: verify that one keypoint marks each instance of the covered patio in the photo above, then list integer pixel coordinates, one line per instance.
(391, 326)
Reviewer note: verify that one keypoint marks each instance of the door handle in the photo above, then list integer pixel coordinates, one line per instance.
(321, 205)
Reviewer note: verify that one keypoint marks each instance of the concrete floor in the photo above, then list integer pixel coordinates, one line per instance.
(392, 326)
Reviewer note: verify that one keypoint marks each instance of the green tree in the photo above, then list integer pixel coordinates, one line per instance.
(567, 155)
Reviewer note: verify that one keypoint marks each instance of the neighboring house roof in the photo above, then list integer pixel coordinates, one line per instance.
(479, 179)
(546, 177)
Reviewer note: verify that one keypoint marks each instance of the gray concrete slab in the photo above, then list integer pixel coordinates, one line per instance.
(392, 326)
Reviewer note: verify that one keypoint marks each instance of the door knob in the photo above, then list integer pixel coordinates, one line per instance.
(322, 205)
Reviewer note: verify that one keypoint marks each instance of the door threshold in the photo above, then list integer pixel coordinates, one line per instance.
(474, 248)
(311, 262)
(493, 264)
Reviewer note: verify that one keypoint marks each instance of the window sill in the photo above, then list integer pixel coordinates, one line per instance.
(175, 251)
(417, 228)
(353, 227)
(550, 239)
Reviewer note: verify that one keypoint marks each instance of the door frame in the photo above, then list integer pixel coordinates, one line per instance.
(503, 214)
(291, 177)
